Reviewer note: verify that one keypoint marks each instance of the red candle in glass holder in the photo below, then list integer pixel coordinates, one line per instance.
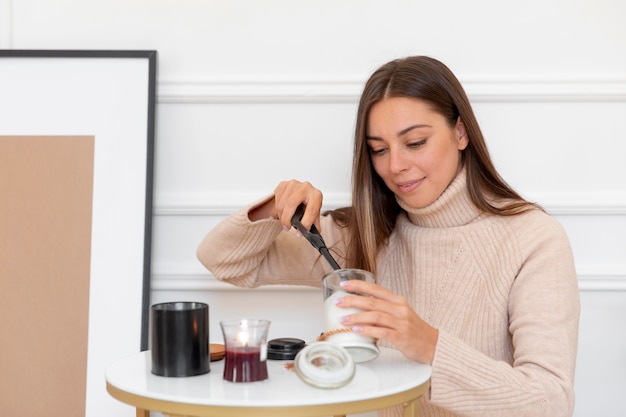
(246, 350)
(245, 365)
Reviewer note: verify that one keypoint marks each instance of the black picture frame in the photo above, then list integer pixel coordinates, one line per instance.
(111, 95)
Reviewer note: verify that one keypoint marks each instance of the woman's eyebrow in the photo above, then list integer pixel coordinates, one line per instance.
(408, 129)
(402, 132)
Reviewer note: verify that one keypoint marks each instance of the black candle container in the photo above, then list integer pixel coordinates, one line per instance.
(180, 339)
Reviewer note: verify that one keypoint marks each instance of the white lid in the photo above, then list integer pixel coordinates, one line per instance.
(325, 365)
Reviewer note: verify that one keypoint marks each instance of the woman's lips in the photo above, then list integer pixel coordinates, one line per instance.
(408, 186)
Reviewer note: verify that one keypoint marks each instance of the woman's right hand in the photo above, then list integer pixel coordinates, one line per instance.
(288, 195)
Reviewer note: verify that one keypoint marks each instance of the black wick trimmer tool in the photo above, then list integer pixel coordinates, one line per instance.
(313, 236)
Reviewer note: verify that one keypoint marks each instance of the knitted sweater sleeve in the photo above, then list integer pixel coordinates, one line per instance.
(251, 254)
(544, 310)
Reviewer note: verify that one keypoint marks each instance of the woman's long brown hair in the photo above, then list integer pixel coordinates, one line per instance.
(372, 216)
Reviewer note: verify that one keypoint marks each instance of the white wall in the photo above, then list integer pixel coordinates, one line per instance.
(250, 93)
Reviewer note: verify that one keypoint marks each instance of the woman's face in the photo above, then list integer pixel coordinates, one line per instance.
(413, 149)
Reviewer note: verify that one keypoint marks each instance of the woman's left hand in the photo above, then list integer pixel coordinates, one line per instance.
(389, 317)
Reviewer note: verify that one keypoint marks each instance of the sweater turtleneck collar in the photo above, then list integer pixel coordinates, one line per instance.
(453, 208)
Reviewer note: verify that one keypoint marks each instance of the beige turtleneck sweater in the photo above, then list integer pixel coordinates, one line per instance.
(501, 290)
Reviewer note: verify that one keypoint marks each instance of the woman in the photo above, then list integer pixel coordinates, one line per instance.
(471, 278)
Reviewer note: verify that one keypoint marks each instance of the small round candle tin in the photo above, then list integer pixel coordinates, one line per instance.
(284, 348)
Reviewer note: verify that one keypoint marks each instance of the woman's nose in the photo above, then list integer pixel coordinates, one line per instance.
(398, 161)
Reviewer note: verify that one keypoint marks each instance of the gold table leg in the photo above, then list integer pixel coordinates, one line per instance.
(409, 409)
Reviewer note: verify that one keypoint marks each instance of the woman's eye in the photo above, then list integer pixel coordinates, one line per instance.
(377, 151)
(417, 144)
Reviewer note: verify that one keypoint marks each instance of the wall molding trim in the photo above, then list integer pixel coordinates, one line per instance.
(216, 204)
(6, 24)
(598, 88)
(206, 282)
(603, 281)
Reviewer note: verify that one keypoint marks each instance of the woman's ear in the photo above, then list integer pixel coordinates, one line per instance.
(461, 134)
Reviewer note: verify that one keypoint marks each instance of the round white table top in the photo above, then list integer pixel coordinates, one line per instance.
(388, 374)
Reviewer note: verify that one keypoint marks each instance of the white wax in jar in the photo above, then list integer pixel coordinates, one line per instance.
(332, 314)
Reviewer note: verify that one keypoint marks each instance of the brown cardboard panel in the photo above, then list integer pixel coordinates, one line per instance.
(46, 188)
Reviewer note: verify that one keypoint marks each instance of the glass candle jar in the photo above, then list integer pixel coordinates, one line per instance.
(361, 348)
